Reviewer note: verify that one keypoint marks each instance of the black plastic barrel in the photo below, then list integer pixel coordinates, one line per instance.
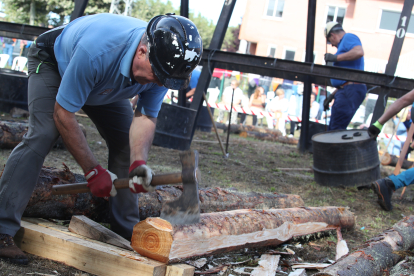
(13, 90)
(204, 121)
(174, 127)
(345, 158)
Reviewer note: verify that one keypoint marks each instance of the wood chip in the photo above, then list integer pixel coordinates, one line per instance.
(213, 270)
(309, 265)
(273, 252)
(267, 265)
(290, 251)
(198, 263)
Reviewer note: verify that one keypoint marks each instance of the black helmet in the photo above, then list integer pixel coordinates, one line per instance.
(175, 49)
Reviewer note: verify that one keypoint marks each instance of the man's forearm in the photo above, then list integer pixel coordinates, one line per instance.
(355, 53)
(74, 138)
(141, 135)
(396, 107)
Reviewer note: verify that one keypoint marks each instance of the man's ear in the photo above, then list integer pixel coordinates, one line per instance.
(142, 50)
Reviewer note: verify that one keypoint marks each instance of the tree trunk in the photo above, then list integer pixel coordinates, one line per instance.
(237, 129)
(11, 134)
(376, 255)
(228, 231)
(392, 160)
(32, 12)
(45, 205)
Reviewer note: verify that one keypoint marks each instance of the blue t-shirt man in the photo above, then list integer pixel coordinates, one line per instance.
(348, 42)
(348, 95)
(95, 64)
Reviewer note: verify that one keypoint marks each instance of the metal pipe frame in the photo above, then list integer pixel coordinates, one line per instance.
(307, 87)
(182, 99)
(21, 31)
(215, 44)
(394, 56)
(294, 70)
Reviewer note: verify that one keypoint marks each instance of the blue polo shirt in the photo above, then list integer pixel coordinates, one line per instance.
(348, 42)
(94, 55)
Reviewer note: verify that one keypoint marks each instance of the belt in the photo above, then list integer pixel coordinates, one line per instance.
(46, 41)
(347, 83)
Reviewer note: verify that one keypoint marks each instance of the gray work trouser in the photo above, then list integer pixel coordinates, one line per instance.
(25, 162)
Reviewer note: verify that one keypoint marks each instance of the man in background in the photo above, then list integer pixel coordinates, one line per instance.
(348, 95)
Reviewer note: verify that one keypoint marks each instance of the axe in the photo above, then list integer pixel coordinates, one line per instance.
(184, 210)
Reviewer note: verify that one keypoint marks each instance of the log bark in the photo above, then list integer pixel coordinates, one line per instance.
(237, 129)
(392, 160)
(376, 255)
(43, 204)
(228, 231)
(11, 134)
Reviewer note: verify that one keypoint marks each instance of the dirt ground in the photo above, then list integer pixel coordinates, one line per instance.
(252, 165)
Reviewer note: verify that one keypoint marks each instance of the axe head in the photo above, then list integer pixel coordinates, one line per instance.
(185, 209)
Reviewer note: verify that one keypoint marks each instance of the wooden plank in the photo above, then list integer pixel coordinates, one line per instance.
(267, 265)
(84, 254)
(180, 270)
(86, 227)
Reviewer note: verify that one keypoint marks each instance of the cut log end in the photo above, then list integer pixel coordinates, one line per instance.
(152, 237)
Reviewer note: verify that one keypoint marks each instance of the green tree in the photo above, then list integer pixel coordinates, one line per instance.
(205, 28)
(147, 9)
(18, 11)
(231, 40)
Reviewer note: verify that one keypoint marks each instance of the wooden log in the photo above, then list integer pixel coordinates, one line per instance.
(228, 231)
(45, 205)
(16, 112)
(376, 255)
(84, 254)
(237, 129)
(392, 160)
(11, 134)
(83, 226)
(269, 137)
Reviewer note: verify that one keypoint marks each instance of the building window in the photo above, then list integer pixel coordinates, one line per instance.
(275, 8)
(290, 54)
(271, 51)
(389, 21)
(336, 14)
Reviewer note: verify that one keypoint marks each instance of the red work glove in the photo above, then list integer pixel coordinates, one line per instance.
(140, 177)
(100, 182)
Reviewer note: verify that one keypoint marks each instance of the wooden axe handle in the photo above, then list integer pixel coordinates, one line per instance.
(76, 188)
